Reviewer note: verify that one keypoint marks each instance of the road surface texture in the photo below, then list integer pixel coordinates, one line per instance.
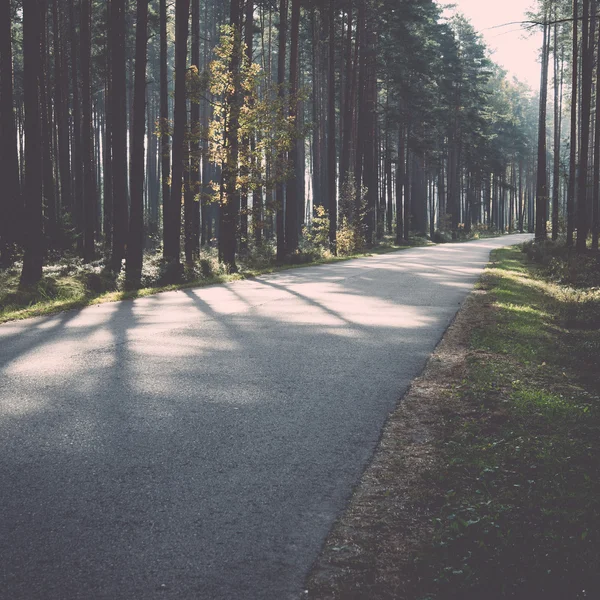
(200, 444)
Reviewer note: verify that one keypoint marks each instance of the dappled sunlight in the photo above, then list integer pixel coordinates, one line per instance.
(92, 317)
(152, 345)
(16, 406)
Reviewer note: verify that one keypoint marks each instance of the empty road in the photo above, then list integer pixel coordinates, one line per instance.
(199, 444)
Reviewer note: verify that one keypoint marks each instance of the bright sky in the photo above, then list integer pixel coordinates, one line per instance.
(514, 48)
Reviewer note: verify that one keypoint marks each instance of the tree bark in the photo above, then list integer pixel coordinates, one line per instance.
(596, 193)
(331, 143)
(292, 216)
(172, 225)
(89, 178)
(165, 148)
(541, 200)
(229, 206)
(119, 134)
(587, 66)
(573, 142)
(10, 198)
(279, 192)
(557, 132)
(135, 244)
(33, 23)
(62, 116)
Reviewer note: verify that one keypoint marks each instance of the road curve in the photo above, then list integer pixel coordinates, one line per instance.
(200, 444)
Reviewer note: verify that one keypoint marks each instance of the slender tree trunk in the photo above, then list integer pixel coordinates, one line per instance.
(193, 228)
(587, 66)
(165, 147)
(596, 193)
(49, 193)
(347, 104)
(331, 144)
(292, 217)
(388, 180)
(10, 198)
(135, 245)
(172, 225)
(61, 88)
(89, 177)
(542, 176)
(573, 142)
(108, 139)
(33, 24)
(400, 186)
(119, 134)
(407, 187)
(228, 216)
(279, 192)
(246, 142)
(557, 132)
(76, 147)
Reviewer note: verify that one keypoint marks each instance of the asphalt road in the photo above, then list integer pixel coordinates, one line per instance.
(200, 444)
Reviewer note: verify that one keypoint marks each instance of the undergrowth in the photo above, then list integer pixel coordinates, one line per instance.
(520, 517)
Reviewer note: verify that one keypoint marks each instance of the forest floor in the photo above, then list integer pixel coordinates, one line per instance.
(486, 483)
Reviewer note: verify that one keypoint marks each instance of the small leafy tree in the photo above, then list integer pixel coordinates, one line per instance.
(315, 235)
(236, 102)
(352, 234)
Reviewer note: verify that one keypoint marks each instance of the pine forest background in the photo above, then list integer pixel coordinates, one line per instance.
(148, 138)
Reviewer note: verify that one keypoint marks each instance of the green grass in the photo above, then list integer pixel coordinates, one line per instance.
(521, 513)
(69, 284)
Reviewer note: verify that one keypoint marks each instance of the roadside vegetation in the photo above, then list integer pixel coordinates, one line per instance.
(70, 283)
(505, 495)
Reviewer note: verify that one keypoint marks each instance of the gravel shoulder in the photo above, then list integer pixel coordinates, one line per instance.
(370, 551)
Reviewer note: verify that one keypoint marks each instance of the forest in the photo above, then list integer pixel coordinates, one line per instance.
(136, 131)
(293, 433)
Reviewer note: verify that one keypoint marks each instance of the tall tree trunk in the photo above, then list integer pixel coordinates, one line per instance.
(228, 217)
(89, 177)
(317, 193)
(587, 66)
(347, 101)
(400, 186)
(172, 225)
(292, 217)
(331, 145)
(33, 24)
(246, 142)
(573, 142)
(541, 201)
(108, 138)
(76, 148)
(48, 182)
(193, 231)
(557, 132)
(62, 116)
(119, 134)
(596, 193)
(279, 192)
(10, 198)
(165, 147)
(135, 244)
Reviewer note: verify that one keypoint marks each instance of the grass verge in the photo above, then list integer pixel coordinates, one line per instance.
(487, 480)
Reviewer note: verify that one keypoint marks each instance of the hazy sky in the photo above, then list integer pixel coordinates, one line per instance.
(515, 49)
